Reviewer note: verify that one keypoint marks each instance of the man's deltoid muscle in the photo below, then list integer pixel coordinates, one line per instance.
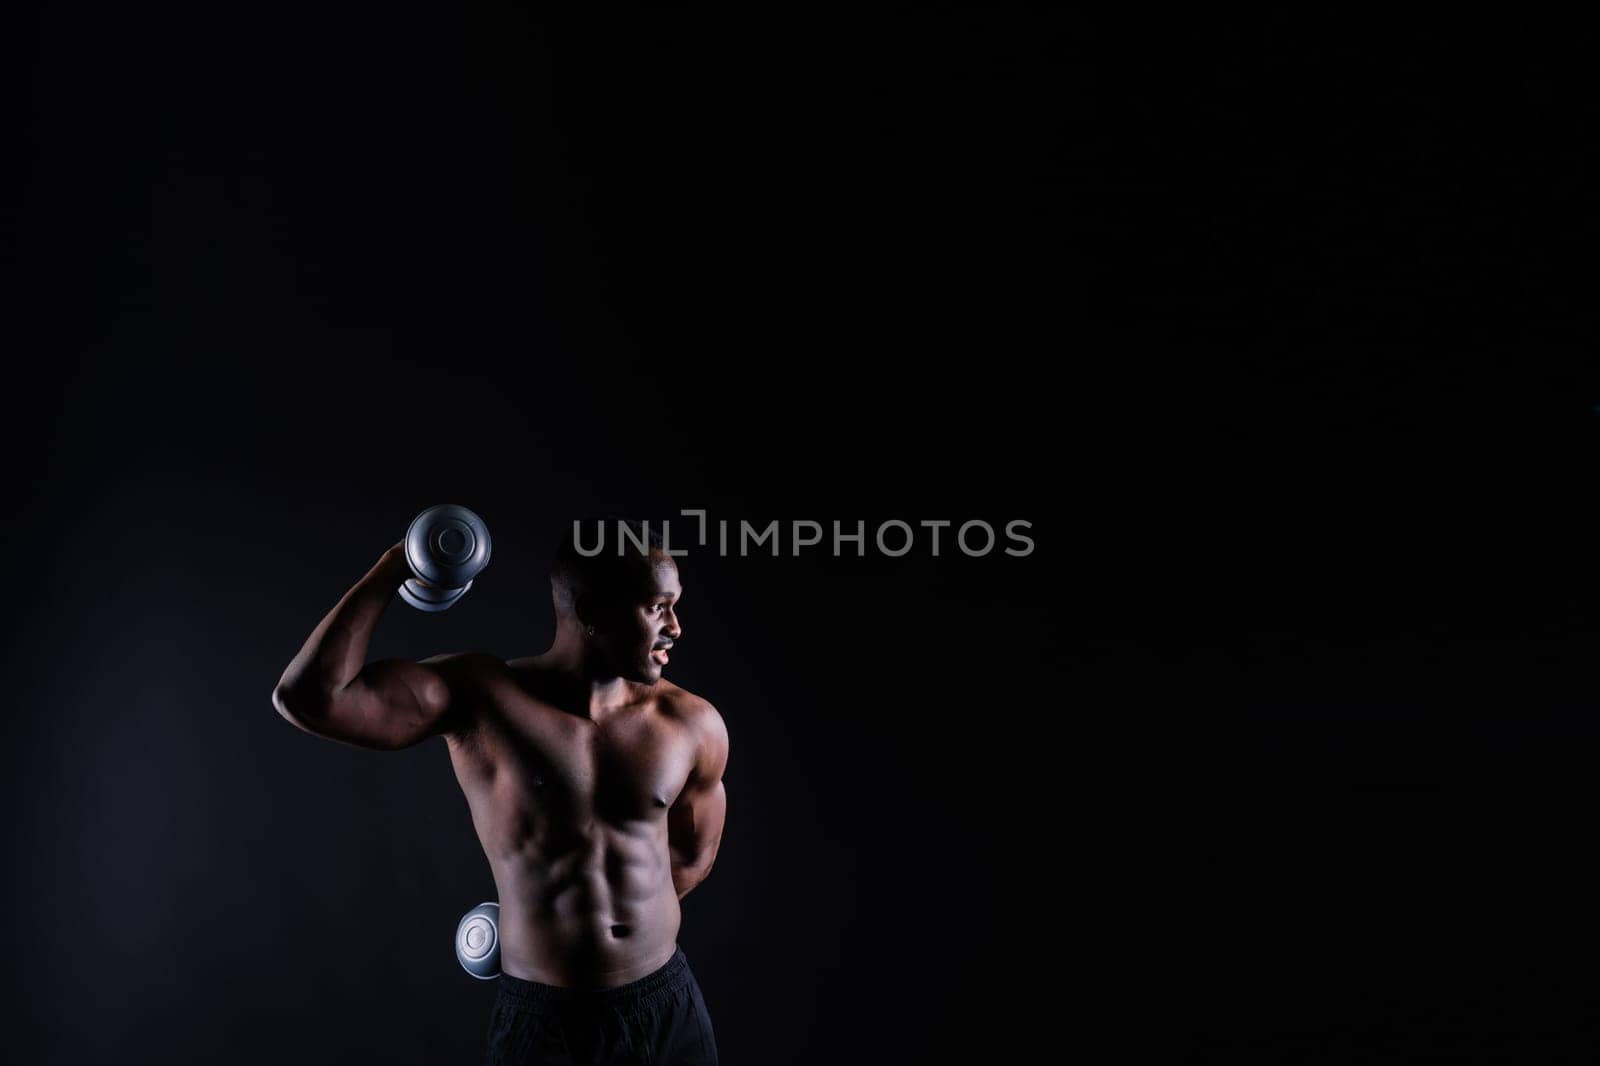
(595, 787)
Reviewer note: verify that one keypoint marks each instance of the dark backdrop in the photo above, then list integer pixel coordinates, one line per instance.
(1275, 749)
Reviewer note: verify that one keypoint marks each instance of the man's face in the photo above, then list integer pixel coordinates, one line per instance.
(638, 635)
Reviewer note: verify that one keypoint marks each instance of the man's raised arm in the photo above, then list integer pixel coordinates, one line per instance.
(329, 690)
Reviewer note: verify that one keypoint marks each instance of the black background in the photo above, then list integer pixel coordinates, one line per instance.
(1275, 749)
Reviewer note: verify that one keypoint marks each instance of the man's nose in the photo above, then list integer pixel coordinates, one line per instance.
(673, 630)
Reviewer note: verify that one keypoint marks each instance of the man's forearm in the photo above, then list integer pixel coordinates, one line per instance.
(685, 877)
(337, 649)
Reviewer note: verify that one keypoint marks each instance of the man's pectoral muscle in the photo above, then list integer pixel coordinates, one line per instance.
(694, 823)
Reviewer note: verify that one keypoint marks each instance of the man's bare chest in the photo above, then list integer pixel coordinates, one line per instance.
(527, 755)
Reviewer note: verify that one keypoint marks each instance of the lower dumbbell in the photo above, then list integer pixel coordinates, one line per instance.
(478, 941)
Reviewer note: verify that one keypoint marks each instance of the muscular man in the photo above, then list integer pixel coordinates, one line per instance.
(595, 787)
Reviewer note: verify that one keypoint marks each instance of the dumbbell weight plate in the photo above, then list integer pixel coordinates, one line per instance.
(478, 941)
(429, 597)
(446, 546)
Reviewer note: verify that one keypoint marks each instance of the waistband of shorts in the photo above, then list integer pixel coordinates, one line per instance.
(672, 972)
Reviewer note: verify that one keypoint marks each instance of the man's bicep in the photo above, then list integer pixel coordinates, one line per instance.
(394, 703)
(696, 819)
(694, 824)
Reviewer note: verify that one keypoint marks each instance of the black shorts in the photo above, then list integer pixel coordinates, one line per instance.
(659, 1019)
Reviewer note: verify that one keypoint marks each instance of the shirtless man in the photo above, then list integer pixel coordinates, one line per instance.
(595, 787)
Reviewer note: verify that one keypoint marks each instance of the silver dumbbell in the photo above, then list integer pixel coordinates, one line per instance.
(478, 941)
(446, 547)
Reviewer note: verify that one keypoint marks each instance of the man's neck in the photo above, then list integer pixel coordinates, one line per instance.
(577, 689)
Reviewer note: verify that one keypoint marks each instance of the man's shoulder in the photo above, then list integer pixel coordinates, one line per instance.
(472, 677)
(682, 703)
(696, 712)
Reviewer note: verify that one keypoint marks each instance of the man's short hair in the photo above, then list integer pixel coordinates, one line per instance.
(610, 574)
